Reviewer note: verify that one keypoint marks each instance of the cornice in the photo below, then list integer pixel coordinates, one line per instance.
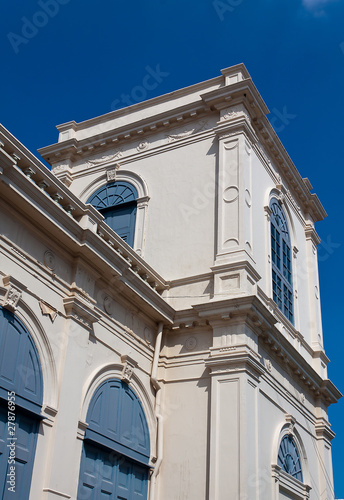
(300, 187)
(235, 266)
(226, 95)
(240, 125)
(81, 311)
(251, 309)
(234, 359)
(79, 228)
(312, 235)
(244, 91)
(308, 378)
(185, 91)
(323, 430)
(75, 149)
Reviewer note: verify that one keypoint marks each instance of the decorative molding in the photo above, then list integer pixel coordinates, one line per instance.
(148, 334)
(142, 146)
(105, 158)
(191, 343)
(187, 132)
(323, 430)
(288, 483)
(49, 260)
(233, 112)
(57, 493)
(291, 421)
(13, 293)
(47, 310)
(235, 359)
(111, 174)
(108, 304)
(82, 427)
(128, 369)
(80, 311)
(11, 299)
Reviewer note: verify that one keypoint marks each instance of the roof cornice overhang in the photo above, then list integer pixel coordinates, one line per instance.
(251, 310)
(241, 92)
(300, 187)
(246, 93)
(78, 228)
(75, 149)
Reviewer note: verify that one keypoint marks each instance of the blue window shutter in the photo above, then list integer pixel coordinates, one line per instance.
(20, 372)
(116, 419)
(116, 448)
(117, 202)
(20, 369)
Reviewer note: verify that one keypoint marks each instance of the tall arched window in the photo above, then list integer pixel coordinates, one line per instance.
(117, 202)
(116, 449)
(21, 391)
(282, 281)
(289, 458)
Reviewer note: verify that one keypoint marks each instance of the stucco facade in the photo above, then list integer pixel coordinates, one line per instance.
(186, 317)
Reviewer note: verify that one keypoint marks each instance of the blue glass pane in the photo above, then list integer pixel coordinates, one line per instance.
(117, 202)
(281, 261)
(113, 194)
(289, 458)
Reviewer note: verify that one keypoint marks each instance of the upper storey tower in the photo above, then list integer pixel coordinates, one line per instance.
(198, 183)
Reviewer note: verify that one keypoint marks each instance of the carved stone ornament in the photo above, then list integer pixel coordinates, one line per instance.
(128, 369)
(105, 158)
(291, 421)
(108, 304)
(49, 260)
(268, 365)
(187, 132)
(111, 174)
(148, 334)
(143, 145)
(61, 167)
(235, 112)
(11, 298)
(191, 343)
(48, 310)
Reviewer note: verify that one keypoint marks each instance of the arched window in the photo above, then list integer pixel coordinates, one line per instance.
(282, 281)
(21, 391)
(116, 449)
(117, 202)
(289, 458)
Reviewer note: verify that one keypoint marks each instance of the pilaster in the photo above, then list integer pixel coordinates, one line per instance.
(235, 373)
(234, 268)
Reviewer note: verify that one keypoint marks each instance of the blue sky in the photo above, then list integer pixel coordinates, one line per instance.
(74, 60)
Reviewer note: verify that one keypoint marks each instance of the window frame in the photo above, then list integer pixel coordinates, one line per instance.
(117, 198)
(281, 261)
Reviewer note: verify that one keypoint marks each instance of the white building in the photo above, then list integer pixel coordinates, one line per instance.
(161, 323)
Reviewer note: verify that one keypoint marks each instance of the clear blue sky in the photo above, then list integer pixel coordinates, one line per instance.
(84, 56)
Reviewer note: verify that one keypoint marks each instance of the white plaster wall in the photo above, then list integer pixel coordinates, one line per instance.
(184, 469)
(181, 209)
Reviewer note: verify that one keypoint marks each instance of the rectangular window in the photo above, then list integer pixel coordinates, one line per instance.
(286, 262)
(277, 289)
